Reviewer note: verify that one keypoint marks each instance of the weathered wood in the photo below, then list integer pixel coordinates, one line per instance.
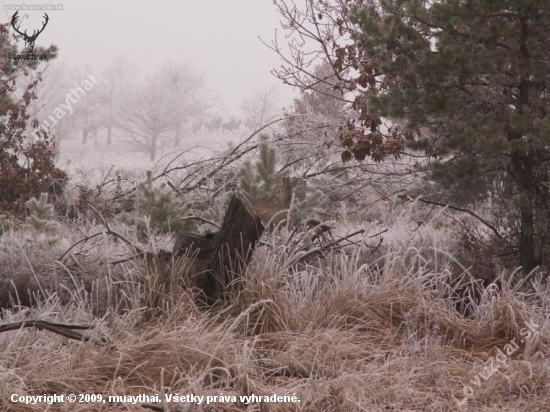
(191, 244)
(233, 248)
(222, 257)
(218, 261)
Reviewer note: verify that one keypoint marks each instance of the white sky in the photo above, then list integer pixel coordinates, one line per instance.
(220, 37)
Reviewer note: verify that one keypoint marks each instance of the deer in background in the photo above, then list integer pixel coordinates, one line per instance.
(231, 126)
(213, 124)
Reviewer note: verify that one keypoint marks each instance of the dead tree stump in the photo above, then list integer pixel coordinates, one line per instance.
(198, 249)
(226, 253)
(233, 247)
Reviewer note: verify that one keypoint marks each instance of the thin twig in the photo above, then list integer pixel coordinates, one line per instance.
(63, 329)
(379, 233)
(202, 219)
(377, 246)
(86, 238)
(460, 209)
(115, 234)
(324, 247)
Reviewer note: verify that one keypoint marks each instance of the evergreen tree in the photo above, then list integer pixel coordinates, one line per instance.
(472, 74)
(41, 213)
(262, 182)
(158, 210)
(41, 221)
(303, 209)
(26, 169)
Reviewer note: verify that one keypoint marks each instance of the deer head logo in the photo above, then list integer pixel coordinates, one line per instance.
(29, 40)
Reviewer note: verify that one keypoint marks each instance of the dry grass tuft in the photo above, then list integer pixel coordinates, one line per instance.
(341, 331)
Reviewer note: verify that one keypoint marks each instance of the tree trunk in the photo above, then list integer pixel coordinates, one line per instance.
(522, 161)
(220, 259)
(153, 151)
(522, 166)
(233, 248)
(109, 135)
(84, 136)
(177, 134)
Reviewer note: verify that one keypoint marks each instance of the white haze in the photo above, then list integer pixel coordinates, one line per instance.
(219, 37)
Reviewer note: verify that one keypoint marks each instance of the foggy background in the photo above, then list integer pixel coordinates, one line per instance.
(132, 49)
(220, 37)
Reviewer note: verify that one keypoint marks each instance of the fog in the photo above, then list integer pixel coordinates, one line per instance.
(220, 38)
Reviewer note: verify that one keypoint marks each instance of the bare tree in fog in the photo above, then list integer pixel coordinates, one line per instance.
(88, 108)
(116, 78)
(51, 91)
(186, 89)
(61, 91)
(162, 104)
(147, 114)
(260, 107)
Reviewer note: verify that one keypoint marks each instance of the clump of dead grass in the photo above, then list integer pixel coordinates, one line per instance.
(341, 333)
